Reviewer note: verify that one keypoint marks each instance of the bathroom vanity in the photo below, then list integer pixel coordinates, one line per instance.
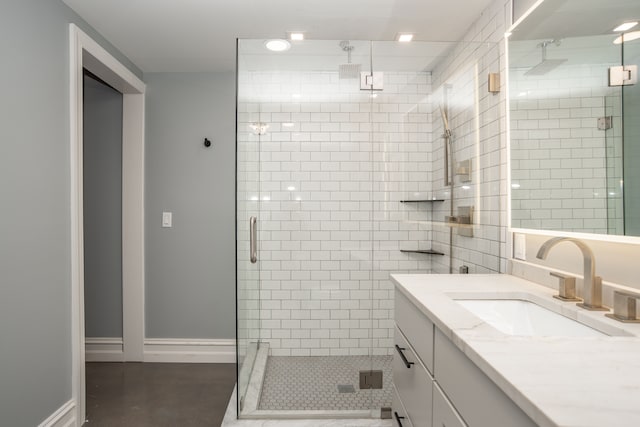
(452, 368)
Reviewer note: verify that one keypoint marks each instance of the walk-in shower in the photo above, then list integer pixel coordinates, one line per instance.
(345, 178)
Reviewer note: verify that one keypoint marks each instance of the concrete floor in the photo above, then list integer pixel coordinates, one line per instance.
(158, 394)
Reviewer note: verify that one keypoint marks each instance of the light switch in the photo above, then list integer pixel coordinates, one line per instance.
(167, 218)
(519, 246)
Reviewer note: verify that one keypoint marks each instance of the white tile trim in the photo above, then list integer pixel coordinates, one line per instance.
(172, 350)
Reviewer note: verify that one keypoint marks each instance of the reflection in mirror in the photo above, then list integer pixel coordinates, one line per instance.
(569, 125)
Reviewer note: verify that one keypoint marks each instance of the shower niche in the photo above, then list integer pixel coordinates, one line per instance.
(345, 178)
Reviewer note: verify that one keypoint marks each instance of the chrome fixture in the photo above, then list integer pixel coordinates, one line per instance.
(348, 70)
(592, 284)
(623, 75)
(463, 170)
(624, 307)
(447, 144)
(463, 221)
(546, 65)
(566, 287)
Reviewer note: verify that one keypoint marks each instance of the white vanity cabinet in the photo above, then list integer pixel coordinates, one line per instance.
(436, 385)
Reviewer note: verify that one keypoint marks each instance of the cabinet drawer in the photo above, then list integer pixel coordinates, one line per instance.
(477, 399)
(398, 413)
(444, 414)
(413, 383)
(416, 327)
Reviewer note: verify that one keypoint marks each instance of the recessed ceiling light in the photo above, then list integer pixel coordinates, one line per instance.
(277, 45)
(626, 26)
(633, 35)
(296, 36)
(404, 37)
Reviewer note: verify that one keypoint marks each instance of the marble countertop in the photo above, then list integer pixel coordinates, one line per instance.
(556, 381)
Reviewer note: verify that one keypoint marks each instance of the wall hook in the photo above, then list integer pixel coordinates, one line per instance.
(207, 142)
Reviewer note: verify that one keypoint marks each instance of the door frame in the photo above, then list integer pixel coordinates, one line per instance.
(84, 52)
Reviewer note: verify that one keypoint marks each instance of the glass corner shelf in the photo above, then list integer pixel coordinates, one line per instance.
(422, 251)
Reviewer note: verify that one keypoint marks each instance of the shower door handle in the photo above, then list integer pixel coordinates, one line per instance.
(253, 248)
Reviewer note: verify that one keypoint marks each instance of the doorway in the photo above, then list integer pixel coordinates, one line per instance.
(102, 205)
(85, 53)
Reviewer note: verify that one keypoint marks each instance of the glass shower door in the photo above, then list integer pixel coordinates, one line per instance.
(249, 130)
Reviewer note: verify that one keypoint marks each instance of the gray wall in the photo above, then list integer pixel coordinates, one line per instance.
(35, 278)
(190, 268)
(102, 210)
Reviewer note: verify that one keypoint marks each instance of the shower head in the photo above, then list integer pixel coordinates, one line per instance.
(348, 70)
(445, 119)
(546, 65)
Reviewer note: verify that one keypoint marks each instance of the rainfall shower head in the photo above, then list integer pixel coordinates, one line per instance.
(546, 65)
(348, 70)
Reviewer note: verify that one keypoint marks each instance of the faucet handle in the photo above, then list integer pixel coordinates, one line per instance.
(566, 287)
(624, 307)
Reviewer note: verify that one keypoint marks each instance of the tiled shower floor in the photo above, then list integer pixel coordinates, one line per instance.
(311, 383)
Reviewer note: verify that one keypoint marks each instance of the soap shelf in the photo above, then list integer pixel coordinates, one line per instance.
(422, 201)
(421, 251)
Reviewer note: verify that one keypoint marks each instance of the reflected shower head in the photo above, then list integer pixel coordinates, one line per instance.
(546, 65)
(348, 70)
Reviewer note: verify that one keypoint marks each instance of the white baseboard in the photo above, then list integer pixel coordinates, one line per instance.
(65, 416)
(167, 350)
(103, 350)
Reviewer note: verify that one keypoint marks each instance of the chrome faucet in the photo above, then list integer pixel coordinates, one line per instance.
(592, 284)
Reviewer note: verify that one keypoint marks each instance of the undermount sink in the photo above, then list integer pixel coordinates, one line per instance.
(525, 318)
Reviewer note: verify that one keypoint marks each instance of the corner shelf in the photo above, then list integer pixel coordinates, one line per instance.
(422, 201)
(422, 251)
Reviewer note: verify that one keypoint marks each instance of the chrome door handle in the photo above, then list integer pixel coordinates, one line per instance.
(252, 240)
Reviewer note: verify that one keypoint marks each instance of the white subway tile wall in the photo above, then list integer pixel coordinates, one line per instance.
(479, 135)
(333, 165)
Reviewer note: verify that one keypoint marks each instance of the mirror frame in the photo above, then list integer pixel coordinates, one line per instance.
(616, 238)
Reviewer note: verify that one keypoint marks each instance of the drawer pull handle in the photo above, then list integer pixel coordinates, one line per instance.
(404, 358)
(398, 417)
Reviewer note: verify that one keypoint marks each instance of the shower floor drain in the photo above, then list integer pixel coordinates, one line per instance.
(346, 388)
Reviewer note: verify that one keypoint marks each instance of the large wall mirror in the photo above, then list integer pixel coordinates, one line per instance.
(574, 107)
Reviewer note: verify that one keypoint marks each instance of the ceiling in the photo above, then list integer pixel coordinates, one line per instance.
(200, 35)
(576, 18)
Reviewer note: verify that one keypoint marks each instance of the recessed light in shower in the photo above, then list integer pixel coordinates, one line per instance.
(404, 37)
(277, 45)
(626, 26)
(296, 36)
